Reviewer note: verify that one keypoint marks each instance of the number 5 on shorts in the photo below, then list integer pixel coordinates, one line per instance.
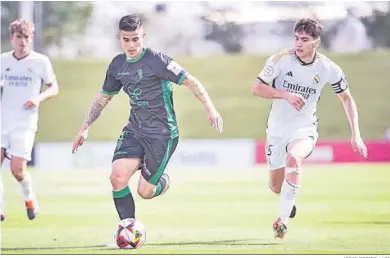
(269, 153)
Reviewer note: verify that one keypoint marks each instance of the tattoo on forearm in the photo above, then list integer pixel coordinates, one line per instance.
(200, 92)
(95, 110)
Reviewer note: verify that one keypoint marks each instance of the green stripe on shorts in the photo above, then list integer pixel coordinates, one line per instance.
(164, 162)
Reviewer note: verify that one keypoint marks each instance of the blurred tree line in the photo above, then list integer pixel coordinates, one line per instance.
(228, 33)
(57, 20)
(378, 28)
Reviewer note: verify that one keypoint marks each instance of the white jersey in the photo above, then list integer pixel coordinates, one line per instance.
(286, 72)
(21, 80)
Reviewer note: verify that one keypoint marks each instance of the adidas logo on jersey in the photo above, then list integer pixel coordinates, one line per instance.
(289, 74)
(7, 70)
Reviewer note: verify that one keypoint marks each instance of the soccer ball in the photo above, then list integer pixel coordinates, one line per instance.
(130, 234)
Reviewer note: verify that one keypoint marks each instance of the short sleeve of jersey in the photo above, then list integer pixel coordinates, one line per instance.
(111, 85)
(270, 71)
(168, 69)
(3, 64)
(48, 74)
(337, 78)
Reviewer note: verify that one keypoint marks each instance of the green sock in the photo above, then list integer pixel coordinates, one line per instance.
(159, 187)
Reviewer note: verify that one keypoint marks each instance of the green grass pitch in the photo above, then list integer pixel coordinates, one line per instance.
(343, 209)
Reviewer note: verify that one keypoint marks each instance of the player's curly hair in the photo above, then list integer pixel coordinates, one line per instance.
(130, 22)
(310, 26)
(21, 26)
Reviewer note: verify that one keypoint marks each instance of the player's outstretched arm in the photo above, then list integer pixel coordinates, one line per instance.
(201, 94)
(351, 111)
(96, 108)
(262, 90)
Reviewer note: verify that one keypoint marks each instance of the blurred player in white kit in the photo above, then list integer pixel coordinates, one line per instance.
(294, 79)
(23, 73)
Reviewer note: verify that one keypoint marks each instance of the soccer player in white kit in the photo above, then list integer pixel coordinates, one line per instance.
(23, 73)
(294, 79)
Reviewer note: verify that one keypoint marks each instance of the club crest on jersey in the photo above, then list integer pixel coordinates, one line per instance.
(316, 79)
(140, 73)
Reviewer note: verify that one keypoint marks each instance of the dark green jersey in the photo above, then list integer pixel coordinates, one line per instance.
(147, 81)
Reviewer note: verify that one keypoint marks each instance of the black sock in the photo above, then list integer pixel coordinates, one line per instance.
(124, 203)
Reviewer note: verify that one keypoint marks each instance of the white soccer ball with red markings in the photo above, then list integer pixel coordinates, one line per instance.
(130, 234)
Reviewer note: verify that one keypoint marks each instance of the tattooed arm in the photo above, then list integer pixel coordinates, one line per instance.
(201, 94)
(199, 91)
(99, 103)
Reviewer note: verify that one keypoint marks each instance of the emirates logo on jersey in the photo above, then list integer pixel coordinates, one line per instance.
(305, 92)
(17, 81)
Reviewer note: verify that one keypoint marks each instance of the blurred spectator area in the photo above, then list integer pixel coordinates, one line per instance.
(70, 29)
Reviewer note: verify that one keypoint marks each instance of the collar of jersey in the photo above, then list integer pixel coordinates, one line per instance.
(137, 58)
(18, 59)
(305, 64)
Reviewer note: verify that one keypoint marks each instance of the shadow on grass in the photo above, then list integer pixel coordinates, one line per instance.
(359, 222)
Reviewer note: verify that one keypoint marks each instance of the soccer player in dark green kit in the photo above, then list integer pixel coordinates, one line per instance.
(149, 139)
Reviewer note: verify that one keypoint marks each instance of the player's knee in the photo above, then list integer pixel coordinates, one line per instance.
(17, 169)
(18, 166)
(275, 187)
(292, 160)
(146, 192)
(118, 180)
(293, 178)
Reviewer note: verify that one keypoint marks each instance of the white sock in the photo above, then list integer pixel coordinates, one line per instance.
(288, 196)
(26, 185)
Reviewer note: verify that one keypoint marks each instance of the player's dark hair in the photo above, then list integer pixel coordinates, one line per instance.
(310, 26)
(130, 22)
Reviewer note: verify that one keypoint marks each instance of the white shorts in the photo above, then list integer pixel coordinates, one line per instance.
(276, 147)
(18, 143)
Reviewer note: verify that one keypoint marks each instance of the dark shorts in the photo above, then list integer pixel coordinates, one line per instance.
(154, 153)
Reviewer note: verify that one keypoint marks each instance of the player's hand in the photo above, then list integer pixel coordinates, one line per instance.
(79, 140)
(32, 103)
(215, 119)
(358, 145)
(295, 100)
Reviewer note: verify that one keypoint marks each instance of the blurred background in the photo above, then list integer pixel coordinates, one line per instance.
(219, 201)
(69, 29)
